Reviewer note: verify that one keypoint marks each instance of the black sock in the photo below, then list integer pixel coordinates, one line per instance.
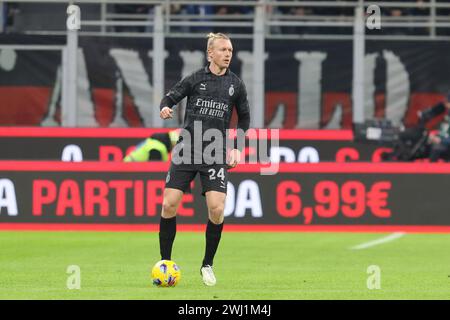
(167, 231)
(213, 234)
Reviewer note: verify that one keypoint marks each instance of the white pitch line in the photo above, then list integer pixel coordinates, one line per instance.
(388, 238)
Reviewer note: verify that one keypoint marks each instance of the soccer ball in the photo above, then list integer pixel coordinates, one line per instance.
(166, 273)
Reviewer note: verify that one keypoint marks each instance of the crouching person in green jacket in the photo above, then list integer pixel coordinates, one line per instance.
(155, 148)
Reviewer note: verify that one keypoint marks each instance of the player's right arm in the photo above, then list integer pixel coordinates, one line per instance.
(166, 113)
(175, 95)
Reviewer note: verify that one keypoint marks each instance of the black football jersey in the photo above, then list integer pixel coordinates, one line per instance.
(210, 101)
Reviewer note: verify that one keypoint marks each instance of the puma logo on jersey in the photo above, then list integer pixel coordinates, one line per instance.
(202, 86)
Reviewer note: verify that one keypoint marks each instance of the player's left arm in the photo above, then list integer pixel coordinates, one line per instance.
(243, 112)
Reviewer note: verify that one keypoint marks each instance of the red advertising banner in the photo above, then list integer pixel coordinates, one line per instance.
(295, 197)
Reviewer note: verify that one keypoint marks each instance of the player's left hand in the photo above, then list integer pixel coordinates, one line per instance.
(234, 159)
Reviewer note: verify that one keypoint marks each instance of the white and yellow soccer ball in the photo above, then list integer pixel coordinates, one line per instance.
(166, 273)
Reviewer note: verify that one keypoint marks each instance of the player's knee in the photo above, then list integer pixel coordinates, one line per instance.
(216, 214)
(169, 210)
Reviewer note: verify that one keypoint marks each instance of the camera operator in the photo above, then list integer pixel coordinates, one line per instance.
(440, 141)
(417, 143)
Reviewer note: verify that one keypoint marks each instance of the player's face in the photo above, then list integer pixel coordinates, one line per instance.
(221, 53)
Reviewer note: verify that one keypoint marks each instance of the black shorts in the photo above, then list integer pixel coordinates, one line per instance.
(214, 177)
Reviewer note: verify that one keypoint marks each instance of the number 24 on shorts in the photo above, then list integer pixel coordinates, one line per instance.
(220, 174)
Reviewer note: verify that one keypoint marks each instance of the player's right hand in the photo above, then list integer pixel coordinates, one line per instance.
(166, 113)
(434, 139)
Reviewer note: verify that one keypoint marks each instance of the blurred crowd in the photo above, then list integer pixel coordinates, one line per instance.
(8, 11)
(282, 12)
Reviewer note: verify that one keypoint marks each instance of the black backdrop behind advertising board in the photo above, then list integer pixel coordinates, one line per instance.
(401, 78)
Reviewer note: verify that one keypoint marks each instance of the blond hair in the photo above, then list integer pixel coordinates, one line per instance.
(213, 36)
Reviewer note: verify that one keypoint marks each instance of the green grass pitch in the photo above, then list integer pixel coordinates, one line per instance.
(251, 266)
